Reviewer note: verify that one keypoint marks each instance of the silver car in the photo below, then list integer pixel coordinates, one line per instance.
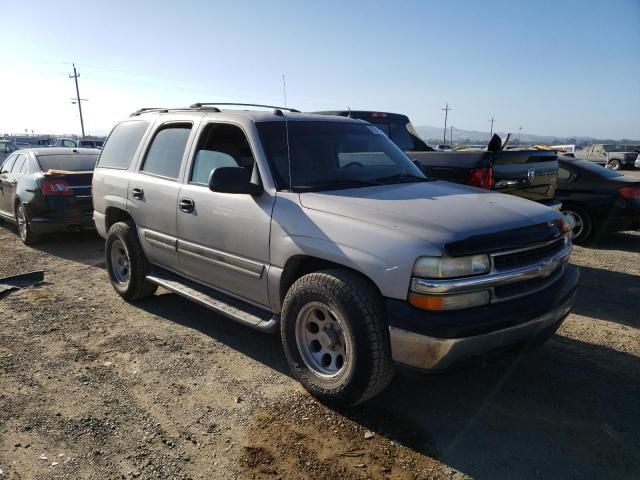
(321, 228)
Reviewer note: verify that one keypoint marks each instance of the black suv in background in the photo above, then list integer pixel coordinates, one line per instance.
(531, 174)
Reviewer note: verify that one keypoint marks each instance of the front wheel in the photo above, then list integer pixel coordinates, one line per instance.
(335, 337)
(583, 230)
(126, 263)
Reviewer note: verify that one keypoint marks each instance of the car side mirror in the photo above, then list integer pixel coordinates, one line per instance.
(233, 180)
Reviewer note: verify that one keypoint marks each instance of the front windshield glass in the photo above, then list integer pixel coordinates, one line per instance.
(334, 155)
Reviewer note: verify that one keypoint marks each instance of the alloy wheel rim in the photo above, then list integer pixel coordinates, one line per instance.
(22, 223)
(322, 340)
(120, 263)
(579, 223)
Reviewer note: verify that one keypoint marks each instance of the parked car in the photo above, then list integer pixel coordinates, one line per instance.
(566, 148)
(84, 143)
(64, 142)
(6, 148)
(45, 190)
(471, 148)
(599, 200)
(530, 174)
(614, 157)
(443, 148)
(319, 226)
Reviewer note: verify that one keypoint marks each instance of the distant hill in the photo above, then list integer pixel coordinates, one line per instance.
(433, 135)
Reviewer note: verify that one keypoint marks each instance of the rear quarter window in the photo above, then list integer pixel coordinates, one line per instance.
(122, 144)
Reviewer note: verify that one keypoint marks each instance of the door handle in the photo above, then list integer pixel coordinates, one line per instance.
(186, 205)
(137, 193)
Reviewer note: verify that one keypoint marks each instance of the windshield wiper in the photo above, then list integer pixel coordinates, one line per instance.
(335, 184)
(403, 177)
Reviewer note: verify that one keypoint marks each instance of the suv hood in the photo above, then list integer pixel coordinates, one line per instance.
(442, 213)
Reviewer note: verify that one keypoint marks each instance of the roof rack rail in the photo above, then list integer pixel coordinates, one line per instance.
(149, 109)
(205, 104)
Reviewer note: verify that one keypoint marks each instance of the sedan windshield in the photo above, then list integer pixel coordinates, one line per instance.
(333, 155)
(73, 163)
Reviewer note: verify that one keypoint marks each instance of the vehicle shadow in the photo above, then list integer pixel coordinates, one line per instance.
(83, 247)
(608, 295)
(625, 241)
(567, 409)
(264, 348)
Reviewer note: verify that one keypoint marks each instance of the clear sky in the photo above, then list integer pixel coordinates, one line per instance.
(554, 67)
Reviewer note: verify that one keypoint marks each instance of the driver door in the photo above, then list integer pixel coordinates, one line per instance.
(224, 237)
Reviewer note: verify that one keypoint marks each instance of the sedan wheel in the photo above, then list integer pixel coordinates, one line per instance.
(583, 224)
(24, 228)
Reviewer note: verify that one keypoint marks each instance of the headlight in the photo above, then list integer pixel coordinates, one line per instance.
(449, 267)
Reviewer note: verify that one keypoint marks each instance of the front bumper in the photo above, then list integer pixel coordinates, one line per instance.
(430, 353)
(432, 342)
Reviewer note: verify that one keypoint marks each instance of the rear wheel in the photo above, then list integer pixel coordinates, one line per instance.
(335, 337)
(614, 165)
(583, 230)
(24, 226)
(126, 263)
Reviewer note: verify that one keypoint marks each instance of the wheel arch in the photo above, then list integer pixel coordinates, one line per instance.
(114, 215)
(300, 265)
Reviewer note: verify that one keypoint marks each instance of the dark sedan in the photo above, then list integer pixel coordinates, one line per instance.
(600, 200)
(45, 190)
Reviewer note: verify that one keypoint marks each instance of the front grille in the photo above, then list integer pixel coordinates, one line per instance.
(525, 287)
(527, 257)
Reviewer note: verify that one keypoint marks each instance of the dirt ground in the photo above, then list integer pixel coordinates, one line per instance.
(94, 387)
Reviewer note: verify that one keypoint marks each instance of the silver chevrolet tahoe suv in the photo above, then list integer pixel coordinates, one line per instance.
(321, 228)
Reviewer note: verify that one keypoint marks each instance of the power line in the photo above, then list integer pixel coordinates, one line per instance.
(79, 100)
(492, 121)
(446, 114)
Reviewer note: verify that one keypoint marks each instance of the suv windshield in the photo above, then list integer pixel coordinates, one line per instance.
(333, 155)
(73, 163)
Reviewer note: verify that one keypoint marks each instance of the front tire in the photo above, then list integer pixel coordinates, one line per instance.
(583, 231)
(126, 263)
(335, 337)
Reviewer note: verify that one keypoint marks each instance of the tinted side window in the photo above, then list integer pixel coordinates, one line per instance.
(122, 144)
(167, 148)
(18, 163)
(564, 176)
(400, 135)
(220, 145)
(6, 166)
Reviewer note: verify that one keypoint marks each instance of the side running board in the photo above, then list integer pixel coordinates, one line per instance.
(219, 302)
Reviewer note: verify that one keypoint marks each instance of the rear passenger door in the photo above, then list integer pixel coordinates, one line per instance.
(153, 191)
(224, 237)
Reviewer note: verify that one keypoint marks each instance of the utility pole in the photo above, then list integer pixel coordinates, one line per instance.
(446, 114)
(492, 120)
(519, 132)
(451, 137)
(75, 77)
